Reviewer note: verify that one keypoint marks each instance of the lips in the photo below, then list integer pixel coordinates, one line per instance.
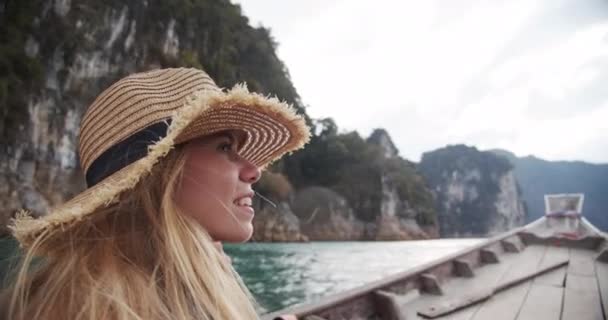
(244, 200)
(243, 204)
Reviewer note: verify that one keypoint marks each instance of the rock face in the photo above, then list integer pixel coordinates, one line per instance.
(39, 160)
(476, 192)
(509, 204)
(325, 215)
(382, 139)
(277, 224)
(385, 213)
(397, 218)
(392, 202)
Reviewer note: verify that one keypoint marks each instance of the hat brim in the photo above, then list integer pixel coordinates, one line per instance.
(273, 129)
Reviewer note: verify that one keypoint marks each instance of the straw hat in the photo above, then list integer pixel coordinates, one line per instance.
(140, 118)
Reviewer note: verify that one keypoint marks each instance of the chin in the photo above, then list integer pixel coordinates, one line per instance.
(241, 236)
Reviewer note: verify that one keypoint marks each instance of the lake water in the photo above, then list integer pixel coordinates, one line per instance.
(284, 274)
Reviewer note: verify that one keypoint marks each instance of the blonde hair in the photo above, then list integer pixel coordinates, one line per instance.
(138, 259)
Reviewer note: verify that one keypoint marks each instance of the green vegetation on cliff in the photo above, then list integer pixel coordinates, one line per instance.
(19, 73)
(355, 168)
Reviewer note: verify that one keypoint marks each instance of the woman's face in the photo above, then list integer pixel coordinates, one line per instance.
(216, 186)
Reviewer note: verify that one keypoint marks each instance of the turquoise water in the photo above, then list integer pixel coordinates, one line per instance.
(284, 274)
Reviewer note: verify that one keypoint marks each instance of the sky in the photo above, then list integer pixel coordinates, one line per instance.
(525, 76)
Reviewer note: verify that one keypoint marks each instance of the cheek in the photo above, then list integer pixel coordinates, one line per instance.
(210, 207)
(206, 194)
(205, 173)
(204, 189)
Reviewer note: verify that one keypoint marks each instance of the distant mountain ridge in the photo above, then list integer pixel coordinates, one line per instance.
(538, 177)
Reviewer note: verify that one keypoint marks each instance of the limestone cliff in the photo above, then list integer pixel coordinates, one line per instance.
(325, 215)
(398, 219)
(276, 224)
(384, 198)
(476, 193)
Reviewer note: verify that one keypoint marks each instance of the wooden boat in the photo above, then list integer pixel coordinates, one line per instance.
(553, 268)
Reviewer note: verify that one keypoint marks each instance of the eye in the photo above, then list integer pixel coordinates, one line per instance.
(225, 146)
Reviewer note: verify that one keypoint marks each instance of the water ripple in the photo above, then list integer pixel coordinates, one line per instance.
(284, 274)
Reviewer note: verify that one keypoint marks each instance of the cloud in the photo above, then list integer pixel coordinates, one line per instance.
(496, 74)
(545, 101)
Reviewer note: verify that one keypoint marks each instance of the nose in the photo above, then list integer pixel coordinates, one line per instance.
(249, 172)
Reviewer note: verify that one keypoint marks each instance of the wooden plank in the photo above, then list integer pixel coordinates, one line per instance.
(488, 256)
(581, 298)
(505, 305)
(447, 306)
(519, 264)
(556, 277)
(388, 306)
(513, 244)
(529, 260)
(582, 262)
(554, 254)
(463, 268)
(542, 302)
(484, 275)
(602, 281)
(430, 284)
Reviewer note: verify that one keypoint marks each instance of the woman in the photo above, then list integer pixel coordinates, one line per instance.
(169, 160)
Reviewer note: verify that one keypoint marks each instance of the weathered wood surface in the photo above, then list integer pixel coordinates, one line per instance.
(388, 306)
(504, 305)
(511, 267)
(447, 306)
(528, 260)
(581, 298)
(467, 299)
(463, 268)
(513, 244)
(602, 256)
(430, 284)
(489, 255)
(487, 274)
(602, 281)
(582, 262)
(542, 302)
(556, 277)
